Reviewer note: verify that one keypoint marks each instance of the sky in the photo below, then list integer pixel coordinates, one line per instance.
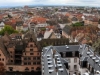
(50, 2)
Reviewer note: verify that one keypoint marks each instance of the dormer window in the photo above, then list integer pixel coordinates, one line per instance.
(31, 45)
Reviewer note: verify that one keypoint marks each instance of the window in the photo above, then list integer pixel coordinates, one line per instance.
(31, 45)
(2, 59)
(38, 58)
(75, 60)
(38, 68)
(25, 63)
(74, 72)
(34, 63)
(38, 63)
(29, 58)
(31, 49)
(11, 56)
(34, 58)
(37, 53)
(75, 66)
(11, 60)
(10, 68)
(31, 53)
(10, 51)
(29, 63)
(26, 68)
(25, 58)
(32, 67)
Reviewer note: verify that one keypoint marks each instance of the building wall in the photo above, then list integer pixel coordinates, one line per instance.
(22, 68)
(71, 63)
(53, 36)
(65, 35)
(19, 28)
(12, 55)
(3, 58)
(31, 56)
(82, 70)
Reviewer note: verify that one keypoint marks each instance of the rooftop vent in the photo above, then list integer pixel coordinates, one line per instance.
(58, 61)
(99, 64)
(98, 72)
(50, 65)
(96, 61)
(88, 53)
(56, 55)
(48, 55)
(50, 71)
(58, 58)
(46, 48)
(91, 55)
(49, 61)
(93, 58)
(67, 46)
(61, 69)
(59, 64)
(48, 58)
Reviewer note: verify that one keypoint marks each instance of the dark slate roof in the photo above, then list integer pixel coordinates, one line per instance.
(67, 29)
(74, 19)
(19, 47)
(64, 49)
(47, 52)
(40, 35)
(83, 49)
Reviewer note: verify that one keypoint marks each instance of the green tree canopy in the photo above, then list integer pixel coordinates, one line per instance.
(7, 29)
(77, 24)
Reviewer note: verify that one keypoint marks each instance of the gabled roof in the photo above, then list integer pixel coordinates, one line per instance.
(47, 34)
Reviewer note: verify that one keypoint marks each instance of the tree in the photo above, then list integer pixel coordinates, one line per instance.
(77, 24)
(2, 68)
(56, 9)
(7, 29)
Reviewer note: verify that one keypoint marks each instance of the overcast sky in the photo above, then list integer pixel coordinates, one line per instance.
(50, 2)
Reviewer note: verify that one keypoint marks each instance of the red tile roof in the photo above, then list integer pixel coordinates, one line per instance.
(39, 19)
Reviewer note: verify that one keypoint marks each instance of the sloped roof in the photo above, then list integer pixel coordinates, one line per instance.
(39, 19)
(47, 34)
